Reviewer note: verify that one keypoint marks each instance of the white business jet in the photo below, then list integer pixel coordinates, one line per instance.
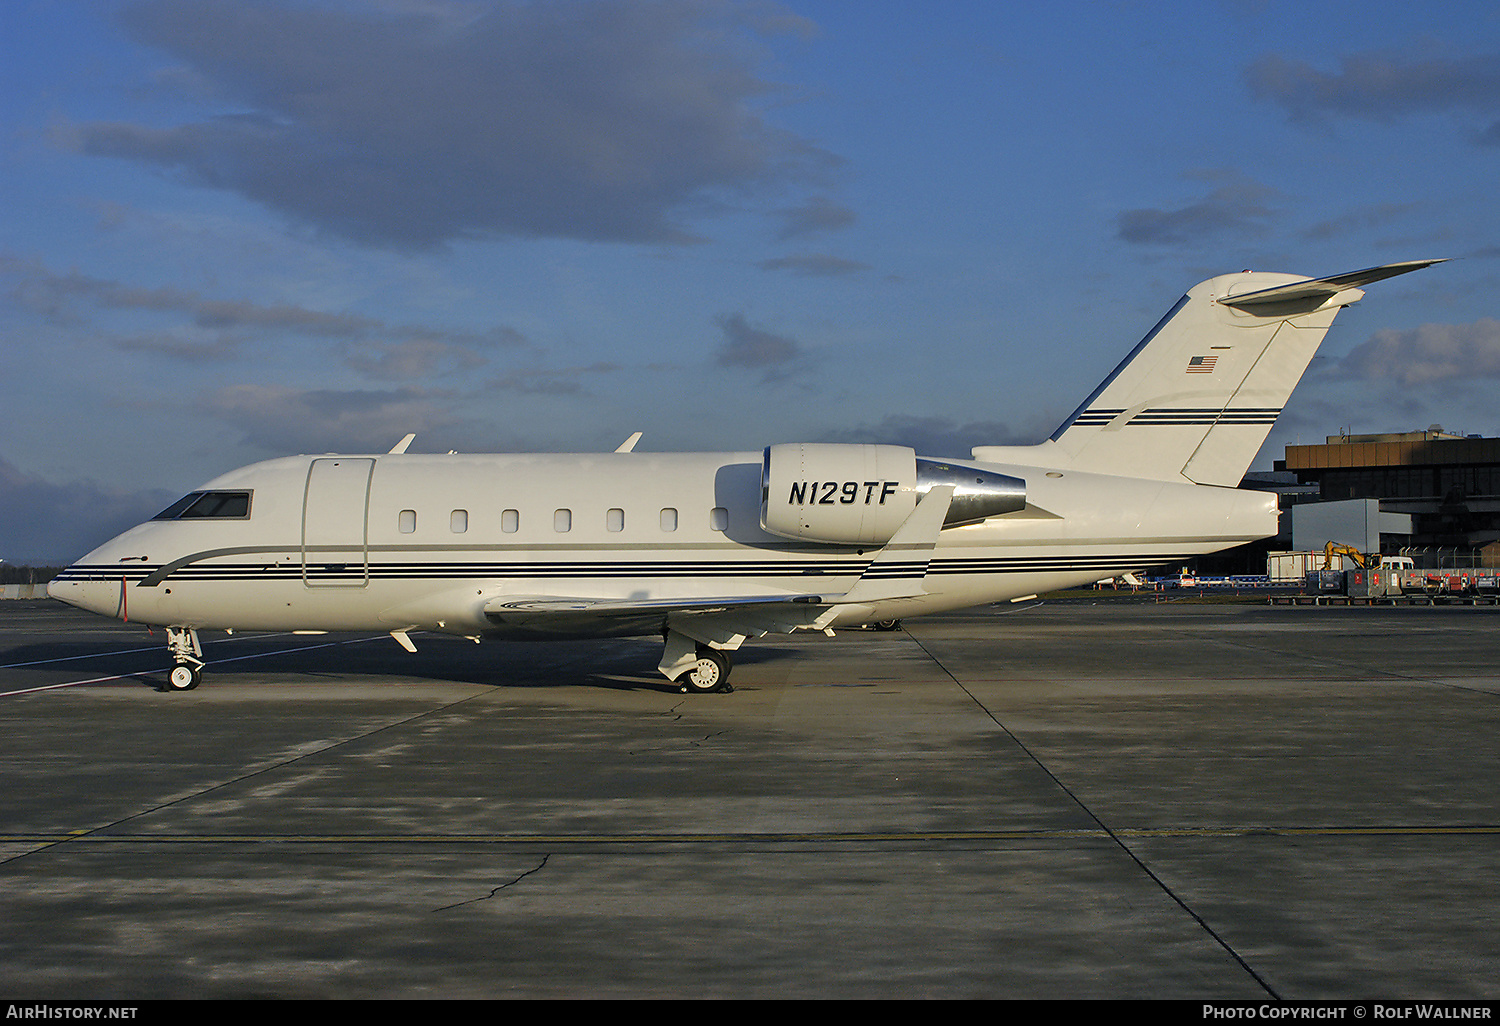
(708, 550)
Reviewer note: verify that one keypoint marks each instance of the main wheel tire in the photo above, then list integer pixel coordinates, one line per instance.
(709, 673)
(184, 677)
(887, 625)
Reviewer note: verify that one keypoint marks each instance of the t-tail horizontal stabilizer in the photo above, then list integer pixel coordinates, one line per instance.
(1196, 398)
(1324, 288)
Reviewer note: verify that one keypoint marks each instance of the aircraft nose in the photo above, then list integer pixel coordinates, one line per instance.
(94, 595)
(64, 589)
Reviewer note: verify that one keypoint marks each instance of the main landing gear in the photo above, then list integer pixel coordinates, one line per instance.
(187, 657)
(693, 665)
(709, 672)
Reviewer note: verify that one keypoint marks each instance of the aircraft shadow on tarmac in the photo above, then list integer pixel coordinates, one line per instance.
(613, 664)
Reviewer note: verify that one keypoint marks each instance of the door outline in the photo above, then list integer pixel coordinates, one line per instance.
(335, 497)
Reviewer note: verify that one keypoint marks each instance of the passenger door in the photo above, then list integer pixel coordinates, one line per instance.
(335, 515)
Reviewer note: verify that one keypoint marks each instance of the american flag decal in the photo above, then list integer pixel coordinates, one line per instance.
(1202, 364)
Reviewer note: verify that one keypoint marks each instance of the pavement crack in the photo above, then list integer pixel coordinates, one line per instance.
(496, 890)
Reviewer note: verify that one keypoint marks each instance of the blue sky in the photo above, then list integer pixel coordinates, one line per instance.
(238, 229)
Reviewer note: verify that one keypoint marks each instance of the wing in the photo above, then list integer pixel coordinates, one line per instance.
(584, 615)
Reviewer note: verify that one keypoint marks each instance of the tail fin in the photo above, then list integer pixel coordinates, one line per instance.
(1197, 397)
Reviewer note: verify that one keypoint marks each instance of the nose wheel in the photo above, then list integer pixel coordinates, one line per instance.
(184, 677)
(187, 658)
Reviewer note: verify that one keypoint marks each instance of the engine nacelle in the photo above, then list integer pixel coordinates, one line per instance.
(861, 494)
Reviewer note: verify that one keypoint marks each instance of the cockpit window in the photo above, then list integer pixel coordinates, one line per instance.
(200, 505)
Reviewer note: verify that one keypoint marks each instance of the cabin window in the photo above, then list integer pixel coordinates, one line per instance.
(458, 521)
(669, 519)
(510, 521)
(718, 519)
(406, 521)
(614, 520)
(200, 505)
(562, 520)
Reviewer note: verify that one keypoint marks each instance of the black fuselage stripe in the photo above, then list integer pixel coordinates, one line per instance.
(700, 569)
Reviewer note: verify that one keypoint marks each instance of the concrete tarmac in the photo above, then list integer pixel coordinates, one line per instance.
(1064, 800)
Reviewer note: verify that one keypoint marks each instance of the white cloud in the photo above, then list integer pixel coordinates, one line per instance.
(1382, 86)
(1235, 208)
(203, 329)
(817, 214)
(284, 419)
(411, 127)
(755, 348)
(814, 265)
(1429, 353)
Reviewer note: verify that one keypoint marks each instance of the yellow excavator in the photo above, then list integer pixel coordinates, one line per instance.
(1362, 560)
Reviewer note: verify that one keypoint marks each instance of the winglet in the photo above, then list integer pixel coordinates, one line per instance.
(400, 446)
(629, 444)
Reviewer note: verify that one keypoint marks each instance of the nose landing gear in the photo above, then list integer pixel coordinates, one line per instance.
(187, 655)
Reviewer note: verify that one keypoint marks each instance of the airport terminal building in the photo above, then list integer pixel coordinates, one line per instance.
(1432, 494)
(1448, 485)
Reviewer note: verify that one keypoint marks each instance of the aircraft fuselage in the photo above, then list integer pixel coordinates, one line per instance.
(426, 542)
